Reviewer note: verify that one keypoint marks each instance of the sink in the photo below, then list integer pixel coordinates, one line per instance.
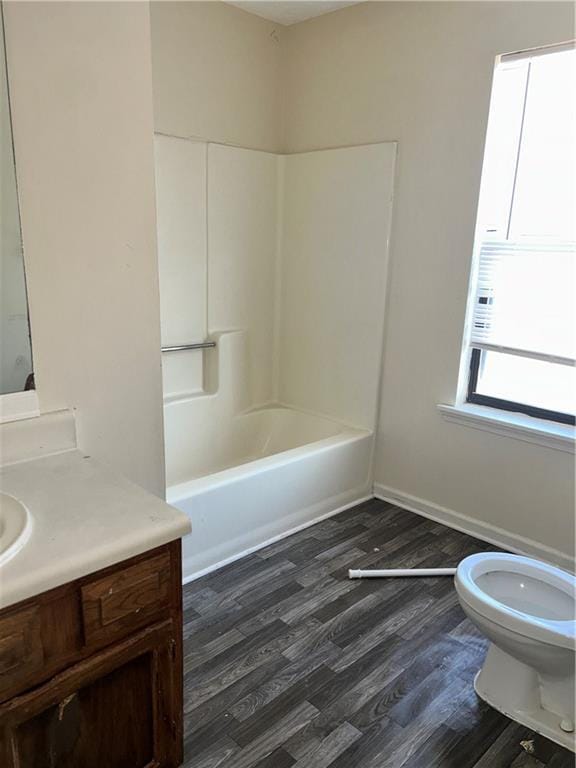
(15, 526)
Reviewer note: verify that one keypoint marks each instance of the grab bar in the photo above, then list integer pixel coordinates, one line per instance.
(198, 345)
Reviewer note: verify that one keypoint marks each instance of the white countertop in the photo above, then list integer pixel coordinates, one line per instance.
(85, 517)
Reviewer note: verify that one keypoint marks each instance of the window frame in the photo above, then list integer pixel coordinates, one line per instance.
(472, 396)
(472, 370)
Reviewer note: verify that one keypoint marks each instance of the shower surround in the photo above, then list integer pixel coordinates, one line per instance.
(281, 261)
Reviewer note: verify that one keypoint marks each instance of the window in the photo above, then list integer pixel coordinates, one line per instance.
(522, 337)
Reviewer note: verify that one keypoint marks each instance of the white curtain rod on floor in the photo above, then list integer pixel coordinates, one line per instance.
(401, 572)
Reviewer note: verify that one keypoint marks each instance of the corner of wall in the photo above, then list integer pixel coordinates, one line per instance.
(281, 166)
(281, 85)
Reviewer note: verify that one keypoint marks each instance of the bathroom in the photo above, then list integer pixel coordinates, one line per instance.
(243, 276)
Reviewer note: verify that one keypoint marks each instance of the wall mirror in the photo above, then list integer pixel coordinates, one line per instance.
(15, 345)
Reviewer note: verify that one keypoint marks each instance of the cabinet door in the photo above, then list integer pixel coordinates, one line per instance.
(118, 709)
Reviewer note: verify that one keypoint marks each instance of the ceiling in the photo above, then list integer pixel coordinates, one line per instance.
(288, 12)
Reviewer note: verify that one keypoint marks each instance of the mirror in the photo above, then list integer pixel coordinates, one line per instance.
(15, 346)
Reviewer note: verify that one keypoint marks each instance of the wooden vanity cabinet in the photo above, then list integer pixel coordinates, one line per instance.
(91, 672)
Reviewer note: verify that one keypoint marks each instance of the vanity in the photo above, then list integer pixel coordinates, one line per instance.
(90, 619)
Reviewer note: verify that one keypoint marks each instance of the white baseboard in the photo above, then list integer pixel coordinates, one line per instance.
(480, 530)
(239, 555)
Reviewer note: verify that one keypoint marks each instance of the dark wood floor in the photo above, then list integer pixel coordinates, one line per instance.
(289, 663)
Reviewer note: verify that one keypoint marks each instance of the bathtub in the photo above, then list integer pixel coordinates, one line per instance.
(259, 477)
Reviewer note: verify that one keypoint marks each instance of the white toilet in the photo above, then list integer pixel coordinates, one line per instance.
(526, 609)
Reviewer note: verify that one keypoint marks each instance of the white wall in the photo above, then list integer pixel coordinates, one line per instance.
(336, 220)
(227, 197)
(242, 236)
(296, 254)
(421, 73)
(216, 74)
(182, 258)
(80, 78)
(235, 198)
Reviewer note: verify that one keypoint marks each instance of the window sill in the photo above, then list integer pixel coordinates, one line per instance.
(560, 437)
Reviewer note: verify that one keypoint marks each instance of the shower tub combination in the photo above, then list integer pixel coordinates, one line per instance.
(284, 293)
(270, 472)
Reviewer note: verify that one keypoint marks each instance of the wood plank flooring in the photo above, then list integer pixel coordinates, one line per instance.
(288, 663)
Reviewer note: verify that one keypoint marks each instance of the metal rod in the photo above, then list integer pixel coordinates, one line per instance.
(198, 345)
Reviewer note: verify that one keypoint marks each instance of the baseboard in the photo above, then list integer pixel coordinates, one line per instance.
(239, 555)
(480, 530)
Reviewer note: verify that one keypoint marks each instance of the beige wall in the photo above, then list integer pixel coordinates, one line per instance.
(82, 110)
(216, 74)
(420, 73)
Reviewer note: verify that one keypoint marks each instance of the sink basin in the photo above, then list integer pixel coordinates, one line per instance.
(15, 526)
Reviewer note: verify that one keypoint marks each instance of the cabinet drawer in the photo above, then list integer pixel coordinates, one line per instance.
(114, 605)
(21, 651)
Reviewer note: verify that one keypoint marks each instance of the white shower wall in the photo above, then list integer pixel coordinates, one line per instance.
(336, 222)
(182, 244)
(288, 254)
(242, 232)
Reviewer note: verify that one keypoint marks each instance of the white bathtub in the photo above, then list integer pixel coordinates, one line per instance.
(258, 477)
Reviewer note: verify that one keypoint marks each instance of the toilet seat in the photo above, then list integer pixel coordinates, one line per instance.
(561, 633)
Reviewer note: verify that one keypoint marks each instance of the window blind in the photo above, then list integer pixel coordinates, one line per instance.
(524, 300)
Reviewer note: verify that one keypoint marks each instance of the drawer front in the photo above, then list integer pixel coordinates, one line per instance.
(114, 605)
(21, 651)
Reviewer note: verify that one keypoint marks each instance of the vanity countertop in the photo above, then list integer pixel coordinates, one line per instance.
(85, 517)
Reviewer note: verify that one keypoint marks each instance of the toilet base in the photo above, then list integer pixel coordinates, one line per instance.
(515, 690)
(540, 721)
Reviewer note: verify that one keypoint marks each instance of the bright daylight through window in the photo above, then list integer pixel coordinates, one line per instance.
(522, 339)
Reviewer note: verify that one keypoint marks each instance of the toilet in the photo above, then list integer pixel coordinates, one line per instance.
(526, 608)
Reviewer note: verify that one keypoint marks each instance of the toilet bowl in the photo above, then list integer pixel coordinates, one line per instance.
(526, 609)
